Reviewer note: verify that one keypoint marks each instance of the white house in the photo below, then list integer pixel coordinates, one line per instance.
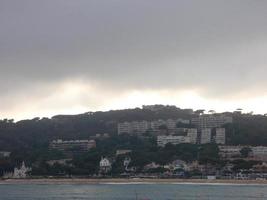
(105, 165)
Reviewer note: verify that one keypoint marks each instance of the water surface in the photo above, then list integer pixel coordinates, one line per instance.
(130, 191)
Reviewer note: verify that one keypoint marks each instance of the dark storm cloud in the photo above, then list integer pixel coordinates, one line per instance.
(218, 46)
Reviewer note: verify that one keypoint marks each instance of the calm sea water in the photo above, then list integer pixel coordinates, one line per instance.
(130, 191)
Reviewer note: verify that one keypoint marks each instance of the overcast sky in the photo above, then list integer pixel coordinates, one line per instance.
(73, 56)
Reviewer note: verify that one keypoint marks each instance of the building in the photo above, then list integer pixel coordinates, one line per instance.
(211, 121)
(192, 134)
(230, 151)
(220, 136)
(123, 152)
(205, 137)
(177, 165)
(135, 127)
(140, 127)
(150, 166)
(59, 162)
(21, 172)
(105, 166)
(259, 152)
(162, 140)
(126, 163)
(73, 145)
(124, 128)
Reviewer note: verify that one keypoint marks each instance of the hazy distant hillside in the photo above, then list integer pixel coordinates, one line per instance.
(36, 133)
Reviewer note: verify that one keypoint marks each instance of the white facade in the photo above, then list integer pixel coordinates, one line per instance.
(220, 136)
(124, 127)
(259, 152)
(105, 165)
(162, 140)
(139, 127)
(192, 134)
(205, 136)
(67, 145)
(230, 151)
(136, 127)
(21, 172)
(211, 121)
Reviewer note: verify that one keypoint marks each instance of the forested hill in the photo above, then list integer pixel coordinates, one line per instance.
(37, 132)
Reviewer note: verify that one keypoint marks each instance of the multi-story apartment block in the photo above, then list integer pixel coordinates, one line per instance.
(230, 151)
(135, 127)
(139, 127)
(162, 140)
(73, 145)
(192, 134)
(259, 152)
(205, 136)
(211, 121)
(124, 127)
(220, 136)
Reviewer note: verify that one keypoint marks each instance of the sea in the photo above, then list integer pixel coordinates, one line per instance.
(133, 191)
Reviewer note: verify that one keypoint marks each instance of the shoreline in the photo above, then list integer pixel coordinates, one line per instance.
(65, 181)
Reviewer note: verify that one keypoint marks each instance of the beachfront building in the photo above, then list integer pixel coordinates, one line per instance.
(22, 171)
(105, 166)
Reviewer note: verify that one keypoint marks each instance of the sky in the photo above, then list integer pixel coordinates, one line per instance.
(74, 56)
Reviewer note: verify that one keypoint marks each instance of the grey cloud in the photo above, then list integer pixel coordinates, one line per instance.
(218, 46)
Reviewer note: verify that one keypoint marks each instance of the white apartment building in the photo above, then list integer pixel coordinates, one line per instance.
(205, 136)
(211, 121)
(192, 134)
(139, 127)
(259, 152)
(230, 151)
(162, 140)
(220, 136)
(124, 127)
(135, 127)
(72, 145)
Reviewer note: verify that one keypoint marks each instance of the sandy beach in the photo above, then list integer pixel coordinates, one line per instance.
(129, 181)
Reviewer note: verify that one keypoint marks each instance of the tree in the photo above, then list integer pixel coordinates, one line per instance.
(212, 111)
(245, 151)
(200, 112)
